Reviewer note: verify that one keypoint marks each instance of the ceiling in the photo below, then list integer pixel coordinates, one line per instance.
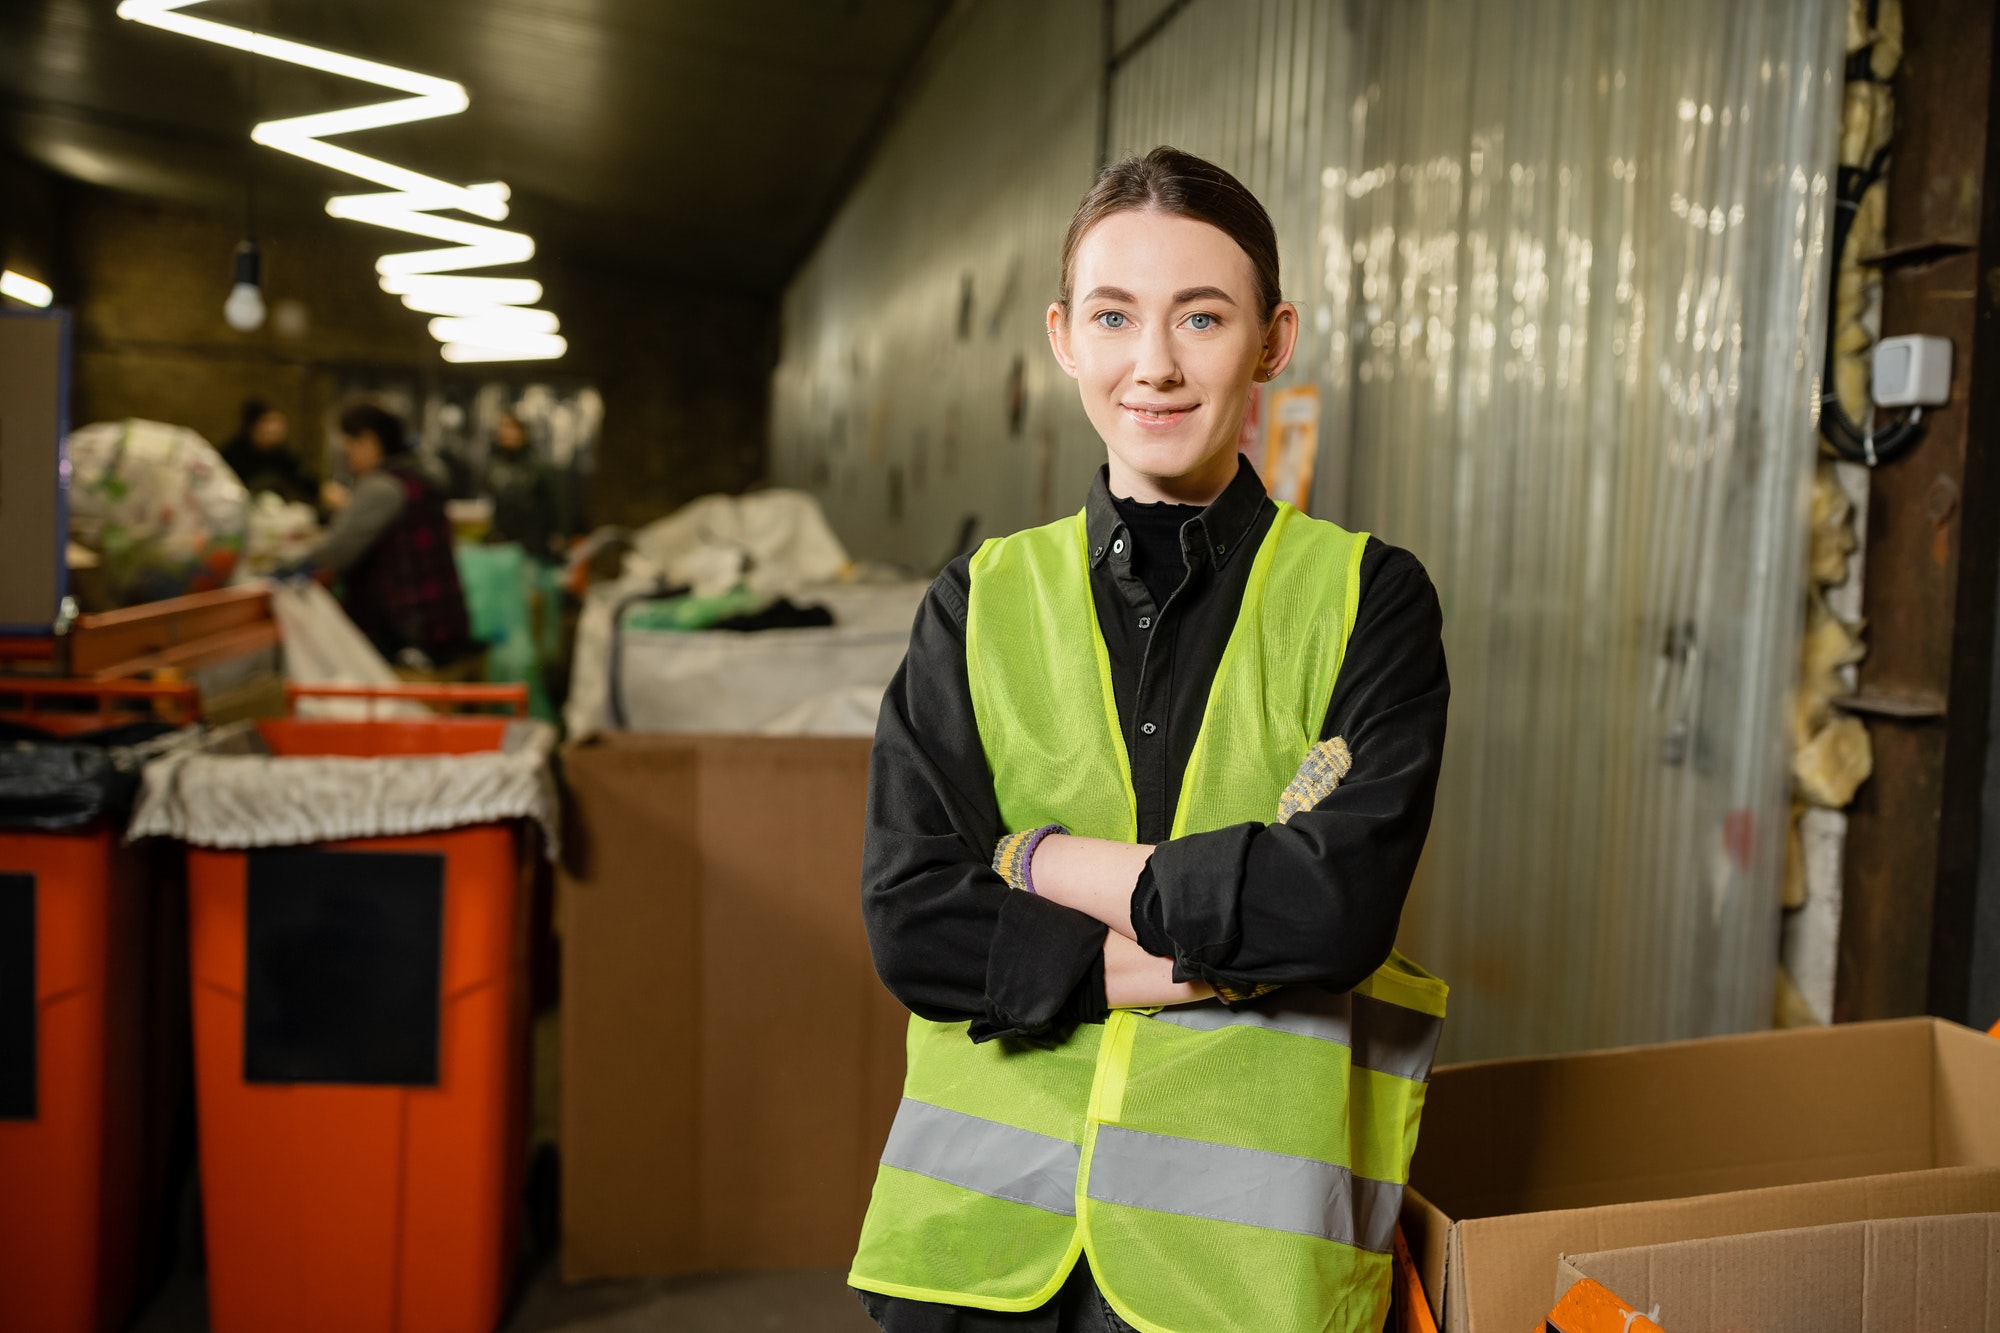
(707, 140)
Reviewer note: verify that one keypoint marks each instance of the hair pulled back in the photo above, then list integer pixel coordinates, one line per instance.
(1183, 185)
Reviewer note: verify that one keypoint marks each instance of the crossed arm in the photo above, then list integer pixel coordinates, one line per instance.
(1096, 877)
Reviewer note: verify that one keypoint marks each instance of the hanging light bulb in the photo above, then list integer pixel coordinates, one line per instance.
(244, 310)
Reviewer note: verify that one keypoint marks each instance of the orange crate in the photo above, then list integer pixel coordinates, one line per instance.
(347, 1207)
(70, 1208)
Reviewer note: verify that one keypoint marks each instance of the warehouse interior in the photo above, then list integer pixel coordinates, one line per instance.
(481, 488)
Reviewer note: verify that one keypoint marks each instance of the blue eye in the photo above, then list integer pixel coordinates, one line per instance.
(1112, 319)
(1200, 322)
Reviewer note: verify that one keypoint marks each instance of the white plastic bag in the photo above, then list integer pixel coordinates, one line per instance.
(324, 647)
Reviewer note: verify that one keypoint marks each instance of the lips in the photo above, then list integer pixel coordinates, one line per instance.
(1158, 416)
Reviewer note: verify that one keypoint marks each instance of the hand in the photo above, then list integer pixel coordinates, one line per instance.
(333, 495)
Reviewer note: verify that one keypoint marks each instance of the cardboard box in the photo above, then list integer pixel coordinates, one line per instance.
(1860, 1277)
(1522, 1161)
(730, 1061)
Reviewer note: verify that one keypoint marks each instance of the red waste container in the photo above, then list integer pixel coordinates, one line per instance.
(75, 920)
(360, 1053)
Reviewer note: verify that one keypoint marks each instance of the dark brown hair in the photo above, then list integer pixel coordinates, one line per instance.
(386, 427)
(1185, 186)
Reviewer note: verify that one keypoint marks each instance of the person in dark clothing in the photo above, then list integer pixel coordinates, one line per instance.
(1175, 312)
(391, 550)
(525, 490)
(260, 454)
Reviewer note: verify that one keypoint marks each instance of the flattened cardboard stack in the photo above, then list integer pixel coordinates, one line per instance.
(1523, 1161)
(730, 1061)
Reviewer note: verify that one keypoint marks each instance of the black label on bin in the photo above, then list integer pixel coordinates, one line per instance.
(342, 967)
(18, 1010)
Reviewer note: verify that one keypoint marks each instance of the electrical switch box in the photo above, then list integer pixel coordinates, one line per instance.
(1913, 370)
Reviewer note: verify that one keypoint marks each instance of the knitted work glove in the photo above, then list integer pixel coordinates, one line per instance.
(1320, 772)
(1324, 766)
(1012, 853)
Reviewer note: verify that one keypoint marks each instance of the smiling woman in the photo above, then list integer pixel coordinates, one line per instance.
(1181, 311)
(1144, 804)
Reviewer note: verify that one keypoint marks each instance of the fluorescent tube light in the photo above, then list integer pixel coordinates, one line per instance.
(482, 319)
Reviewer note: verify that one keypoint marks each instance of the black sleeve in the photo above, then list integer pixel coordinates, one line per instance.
(950, 939)
(1318, 899)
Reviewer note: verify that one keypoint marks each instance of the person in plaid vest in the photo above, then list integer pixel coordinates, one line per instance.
(390, 549)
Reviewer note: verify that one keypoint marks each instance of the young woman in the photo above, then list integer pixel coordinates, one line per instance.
(1146, 798)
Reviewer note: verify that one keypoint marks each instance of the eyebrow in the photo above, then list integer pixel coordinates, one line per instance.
(1181, 297)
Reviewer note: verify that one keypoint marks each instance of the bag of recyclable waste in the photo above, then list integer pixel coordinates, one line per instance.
(160, 508)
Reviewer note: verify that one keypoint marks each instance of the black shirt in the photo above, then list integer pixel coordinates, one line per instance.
(1314, 900)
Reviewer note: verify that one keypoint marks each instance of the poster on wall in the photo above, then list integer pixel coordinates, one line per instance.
(1291, 444)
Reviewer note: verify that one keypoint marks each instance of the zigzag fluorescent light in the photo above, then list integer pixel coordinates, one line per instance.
(479, 319)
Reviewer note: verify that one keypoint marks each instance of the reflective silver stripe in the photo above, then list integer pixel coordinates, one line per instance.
(985, 1156)
(1384, 1037)
(1258, 1189)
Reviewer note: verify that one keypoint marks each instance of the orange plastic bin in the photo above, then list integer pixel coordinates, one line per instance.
(75, 916)
(359, 1183)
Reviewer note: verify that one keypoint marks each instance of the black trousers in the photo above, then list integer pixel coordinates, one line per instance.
(1078, 1308)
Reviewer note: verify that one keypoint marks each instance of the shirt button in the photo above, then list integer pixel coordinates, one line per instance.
(1118, 547)
(1145, 622)
(1148, 728)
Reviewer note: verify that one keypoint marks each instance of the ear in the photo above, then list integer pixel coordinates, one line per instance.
(1281, 339)
(1058, 322)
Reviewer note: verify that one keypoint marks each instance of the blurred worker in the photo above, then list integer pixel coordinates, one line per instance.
(260, 454)
(390, 548)
(525, 490)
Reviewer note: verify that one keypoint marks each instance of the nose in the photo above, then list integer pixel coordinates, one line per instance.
(1157, 366)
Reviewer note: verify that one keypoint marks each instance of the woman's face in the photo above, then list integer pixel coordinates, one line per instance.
(507, 433)
(364, 452)
(269, 430)
(1164, 338)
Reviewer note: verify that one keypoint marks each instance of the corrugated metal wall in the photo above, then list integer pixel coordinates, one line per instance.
(1588, 240)
(1265, 88)
(915, 384)
(1560, 274)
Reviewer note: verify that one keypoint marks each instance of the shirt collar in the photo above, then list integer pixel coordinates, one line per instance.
(1224, 525)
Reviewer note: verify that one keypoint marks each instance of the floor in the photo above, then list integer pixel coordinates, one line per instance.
(798, 1299)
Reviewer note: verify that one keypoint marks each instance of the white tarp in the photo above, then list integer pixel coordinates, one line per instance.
(775, 542)
(824, 681)
(232, 792)
(324, 647)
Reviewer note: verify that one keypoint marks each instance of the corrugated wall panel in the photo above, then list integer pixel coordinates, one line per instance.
(895, 396)
(1560, 271)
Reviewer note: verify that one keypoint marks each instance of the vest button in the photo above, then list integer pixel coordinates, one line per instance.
(1145, 622)
(1118, 547)
(1148, 728)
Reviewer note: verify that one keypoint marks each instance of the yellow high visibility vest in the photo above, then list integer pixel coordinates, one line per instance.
(1227, 1170)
